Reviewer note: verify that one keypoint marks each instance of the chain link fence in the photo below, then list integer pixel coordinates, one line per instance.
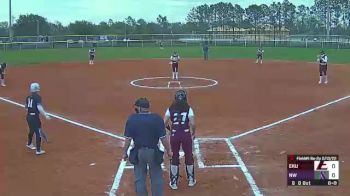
(174, 40)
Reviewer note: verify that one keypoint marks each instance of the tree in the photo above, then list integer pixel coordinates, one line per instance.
(103, 28)
(273, 16)
(58, 29)
(325, 16)
(28, 25)
(130, 25)
(110, 22)
(141, 27)
(154, 28)
(200, 18)
(239, 14)
(118, 27)
(254, 14)
(4, 29)
(321, 12)
(163, 22)
(82, 28)
(301, 18)
(288, 14)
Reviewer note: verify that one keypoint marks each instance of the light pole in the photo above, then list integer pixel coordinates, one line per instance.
(10, 21)
(328, 19)
(125, 30)
(38, 30)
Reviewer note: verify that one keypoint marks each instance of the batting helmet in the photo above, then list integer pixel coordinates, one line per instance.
(142, 102)
(4, 65)
(34, 87)
(181, 95)
(322, 52)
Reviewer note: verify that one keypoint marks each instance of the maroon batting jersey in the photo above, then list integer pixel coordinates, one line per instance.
(179, 118)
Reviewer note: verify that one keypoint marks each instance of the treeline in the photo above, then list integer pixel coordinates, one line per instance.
(297, 19)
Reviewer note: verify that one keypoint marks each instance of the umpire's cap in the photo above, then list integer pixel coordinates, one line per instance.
(142, 102)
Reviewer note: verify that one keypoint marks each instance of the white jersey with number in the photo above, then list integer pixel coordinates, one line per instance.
(190, 113)
(175, 58)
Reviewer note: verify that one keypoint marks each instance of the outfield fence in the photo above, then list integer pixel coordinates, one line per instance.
(174, 40)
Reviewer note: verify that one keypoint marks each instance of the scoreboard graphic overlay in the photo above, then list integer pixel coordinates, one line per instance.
(313, 170)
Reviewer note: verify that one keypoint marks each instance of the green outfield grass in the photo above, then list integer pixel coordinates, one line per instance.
(24, 57)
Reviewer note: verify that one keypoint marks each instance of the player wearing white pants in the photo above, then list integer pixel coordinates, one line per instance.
(323, 61)
(174, 61)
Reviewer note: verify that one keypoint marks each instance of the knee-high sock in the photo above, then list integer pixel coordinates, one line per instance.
(190, 172)
(174, 173)
(38, 142)
(30, 138)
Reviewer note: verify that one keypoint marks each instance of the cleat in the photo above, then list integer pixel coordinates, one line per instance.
(192, 182)
(40, 152)
(32, 147)
(190, 175)
(173, 185)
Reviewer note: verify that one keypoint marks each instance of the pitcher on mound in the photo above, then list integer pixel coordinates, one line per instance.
(174, 61)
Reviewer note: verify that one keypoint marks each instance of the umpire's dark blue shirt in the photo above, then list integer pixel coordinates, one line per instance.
(205, 48)
(145, 129)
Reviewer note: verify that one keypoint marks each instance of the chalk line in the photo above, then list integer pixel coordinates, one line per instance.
(198, 153)
(221, 166)
(244, 169)
(69, 121)
(118, 178)
(289, 118)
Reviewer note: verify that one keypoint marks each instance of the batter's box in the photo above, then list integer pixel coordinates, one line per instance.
(214, 153)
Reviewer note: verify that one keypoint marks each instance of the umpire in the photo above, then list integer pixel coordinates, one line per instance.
(145, 129)
(205, 51)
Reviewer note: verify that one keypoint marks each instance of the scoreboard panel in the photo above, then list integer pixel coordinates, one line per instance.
(313, 170)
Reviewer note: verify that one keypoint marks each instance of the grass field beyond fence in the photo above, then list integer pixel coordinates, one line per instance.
(38, 56)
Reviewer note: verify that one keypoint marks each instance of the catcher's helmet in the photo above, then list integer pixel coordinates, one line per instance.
(34, 87)
(181, 95)
(142, 102)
